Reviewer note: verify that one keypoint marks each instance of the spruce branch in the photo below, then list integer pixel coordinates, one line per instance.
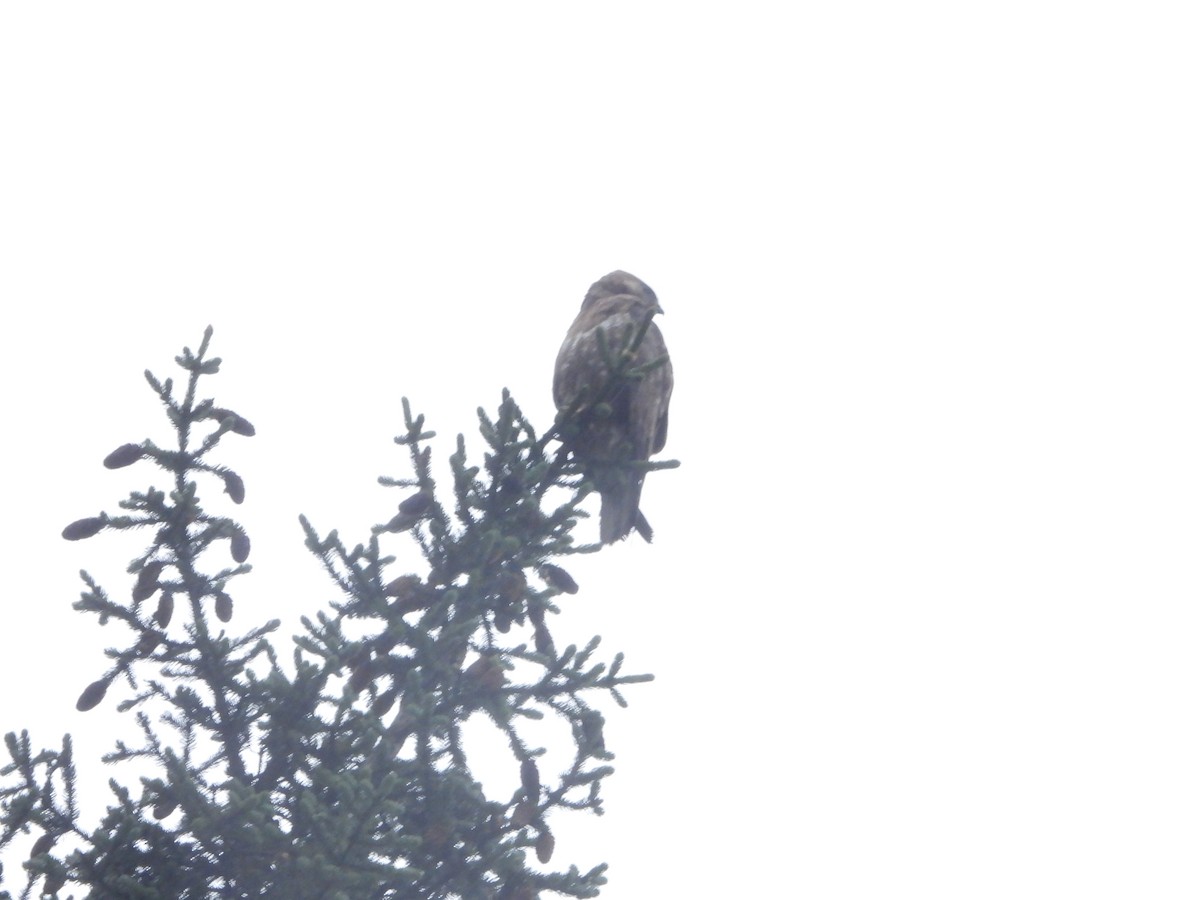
(352, 774)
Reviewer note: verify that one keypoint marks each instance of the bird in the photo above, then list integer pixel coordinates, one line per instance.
(612, 391)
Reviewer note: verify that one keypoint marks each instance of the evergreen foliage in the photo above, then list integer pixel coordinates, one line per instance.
(344, 775)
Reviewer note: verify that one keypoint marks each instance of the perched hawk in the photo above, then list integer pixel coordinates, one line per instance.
(614, 417)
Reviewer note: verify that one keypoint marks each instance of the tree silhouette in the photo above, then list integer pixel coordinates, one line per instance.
(344, 775)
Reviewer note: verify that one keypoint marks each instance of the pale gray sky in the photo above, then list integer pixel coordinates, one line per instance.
(923, 599)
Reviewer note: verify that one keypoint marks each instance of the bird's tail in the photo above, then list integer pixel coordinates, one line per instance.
(619, 513)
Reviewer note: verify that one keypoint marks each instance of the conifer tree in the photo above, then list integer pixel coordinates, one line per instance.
(344, 773)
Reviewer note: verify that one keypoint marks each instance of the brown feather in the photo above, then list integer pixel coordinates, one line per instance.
(636, 425)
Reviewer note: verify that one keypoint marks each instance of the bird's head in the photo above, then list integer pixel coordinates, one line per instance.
(622, 284)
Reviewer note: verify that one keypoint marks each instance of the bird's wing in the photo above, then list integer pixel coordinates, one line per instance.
(651, 398)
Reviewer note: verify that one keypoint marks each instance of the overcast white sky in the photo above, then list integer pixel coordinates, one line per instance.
(923, 599)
